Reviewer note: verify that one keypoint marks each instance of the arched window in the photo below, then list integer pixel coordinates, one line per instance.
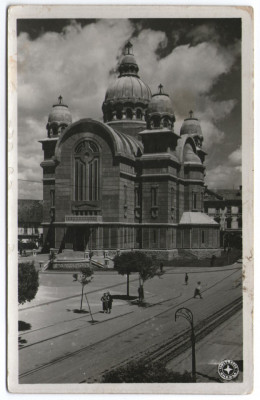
(129, 113)
(119, 114)
(172, 198)
(156, 121)
(194, 200)
(166, 123)
(138, 114)
(86, 171)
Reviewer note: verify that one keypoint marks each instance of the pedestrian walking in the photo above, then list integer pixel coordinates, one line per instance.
(109, 302)
(161, 267)
(197, 291)
(104, 303)
(186, 278)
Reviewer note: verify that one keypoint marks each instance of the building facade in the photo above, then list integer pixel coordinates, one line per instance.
(129, 182)
(225, 207)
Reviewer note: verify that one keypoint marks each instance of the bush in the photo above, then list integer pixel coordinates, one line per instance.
(28, 282)
(142, 372)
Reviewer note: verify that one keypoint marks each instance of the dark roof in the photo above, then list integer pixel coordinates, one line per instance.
(230, 194)
(30, 211)
(223, 194)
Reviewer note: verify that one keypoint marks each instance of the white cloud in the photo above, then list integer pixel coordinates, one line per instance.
(235, 157)
(228, 174)
(223, 177)
(78, 62)
(188, 74)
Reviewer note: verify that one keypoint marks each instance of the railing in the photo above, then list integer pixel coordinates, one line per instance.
(83, 218)
(44, 266)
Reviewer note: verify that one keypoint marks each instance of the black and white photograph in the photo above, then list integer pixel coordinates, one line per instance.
(130, 199)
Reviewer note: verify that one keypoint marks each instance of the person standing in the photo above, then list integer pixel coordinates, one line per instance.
(197, 291)
(104, 303)
(186, 278)
(109, 302)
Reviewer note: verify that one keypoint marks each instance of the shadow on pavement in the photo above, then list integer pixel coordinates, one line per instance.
(21, 342)
(23, 326)
(123, 297)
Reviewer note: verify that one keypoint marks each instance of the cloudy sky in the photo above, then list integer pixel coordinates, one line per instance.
(197, 60)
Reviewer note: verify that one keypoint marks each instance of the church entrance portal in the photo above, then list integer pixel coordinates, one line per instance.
(81, 238)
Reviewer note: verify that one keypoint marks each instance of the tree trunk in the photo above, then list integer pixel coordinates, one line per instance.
(127, 286)
(81, 297)
(89, 308)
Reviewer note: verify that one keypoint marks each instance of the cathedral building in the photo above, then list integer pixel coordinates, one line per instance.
(130, 182)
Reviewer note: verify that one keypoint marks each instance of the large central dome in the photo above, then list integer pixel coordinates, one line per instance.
(128, 88)
(128, 96)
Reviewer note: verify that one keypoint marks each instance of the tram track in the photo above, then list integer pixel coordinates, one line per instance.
(176, 343)
(179, 343)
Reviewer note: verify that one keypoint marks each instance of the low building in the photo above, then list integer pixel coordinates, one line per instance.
(30, 214)
(225, 207)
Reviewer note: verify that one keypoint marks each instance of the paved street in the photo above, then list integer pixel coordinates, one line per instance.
(225, 342)
(57, 344)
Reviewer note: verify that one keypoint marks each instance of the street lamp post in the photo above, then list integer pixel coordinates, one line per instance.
(187, 314)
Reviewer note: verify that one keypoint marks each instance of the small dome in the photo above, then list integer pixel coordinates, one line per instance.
(189, 155)
(60, 113)
(191, 126)
(160, 104)
(128, 65)
(160, 111)
(128, 59)
(59, 118)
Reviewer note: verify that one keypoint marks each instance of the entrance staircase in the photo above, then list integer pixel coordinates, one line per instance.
(97, 259)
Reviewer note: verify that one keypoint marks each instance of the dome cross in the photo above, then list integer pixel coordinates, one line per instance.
(191, 114)
(160, 88)
(128, 47)
(60, 99)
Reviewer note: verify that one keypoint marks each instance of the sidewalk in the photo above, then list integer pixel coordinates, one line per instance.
(225, 342)
(54, 330)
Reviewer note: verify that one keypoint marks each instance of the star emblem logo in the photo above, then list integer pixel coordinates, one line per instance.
(228, 370)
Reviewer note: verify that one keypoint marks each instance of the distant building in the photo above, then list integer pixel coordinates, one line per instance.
(225, 207)
(129, 182)
(30, 214)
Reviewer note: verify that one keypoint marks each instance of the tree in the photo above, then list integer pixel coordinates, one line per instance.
(144, 372)
(84, 278)
(135, 261)
(28, 282)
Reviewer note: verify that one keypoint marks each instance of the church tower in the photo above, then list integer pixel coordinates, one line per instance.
(127, 98)
(159, 165)
(58, 120)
